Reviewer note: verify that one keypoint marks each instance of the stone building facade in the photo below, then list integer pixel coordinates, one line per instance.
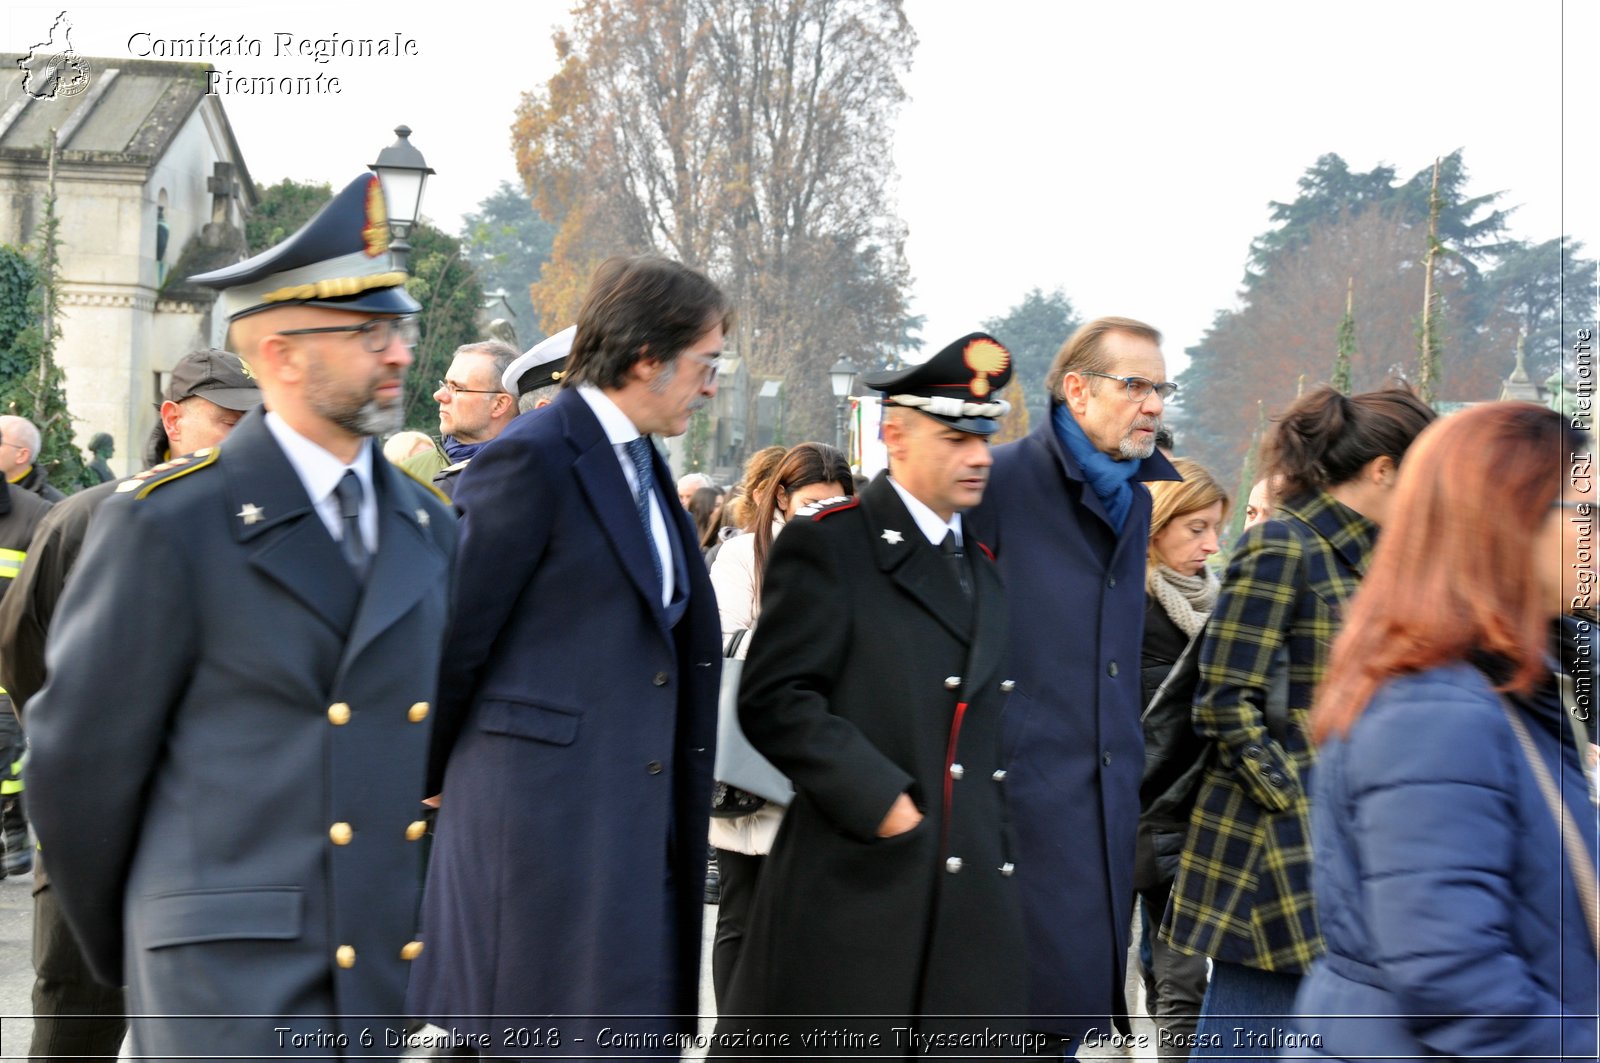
(150, 187)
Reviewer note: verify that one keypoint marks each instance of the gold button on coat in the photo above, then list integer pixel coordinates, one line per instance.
(338, 714)
(411, 951)
(345, 956)
(415, 830)
(418, 712)
(952, 682)
(341, 833)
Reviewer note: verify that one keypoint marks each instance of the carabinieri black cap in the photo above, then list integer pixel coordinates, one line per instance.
(955, 386)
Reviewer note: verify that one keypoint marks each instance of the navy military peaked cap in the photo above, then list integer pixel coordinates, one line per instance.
(955, 386)
(339, 259)
(540, 365)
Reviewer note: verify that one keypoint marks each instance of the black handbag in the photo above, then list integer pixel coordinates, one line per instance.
(1176, 755)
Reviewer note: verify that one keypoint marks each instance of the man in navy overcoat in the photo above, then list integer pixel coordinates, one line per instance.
(1069, 518)
(577, 711)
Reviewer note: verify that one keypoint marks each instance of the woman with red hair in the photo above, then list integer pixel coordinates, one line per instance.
(1454, 830)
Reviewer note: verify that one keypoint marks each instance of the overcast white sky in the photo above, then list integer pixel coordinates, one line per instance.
(1125, 152)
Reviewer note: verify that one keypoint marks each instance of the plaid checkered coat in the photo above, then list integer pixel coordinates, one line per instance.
(1243, 892)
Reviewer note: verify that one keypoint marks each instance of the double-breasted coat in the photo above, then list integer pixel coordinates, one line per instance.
(871, 675)
(230, 793)
(574, 748)
(1073, 744)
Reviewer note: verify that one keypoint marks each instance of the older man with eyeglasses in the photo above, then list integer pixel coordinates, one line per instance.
(1069, 517)
(231, 794)
(474, 407)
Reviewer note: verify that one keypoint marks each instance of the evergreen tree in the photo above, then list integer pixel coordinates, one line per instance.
(1033, 331)
(31, 383)
(508, 242)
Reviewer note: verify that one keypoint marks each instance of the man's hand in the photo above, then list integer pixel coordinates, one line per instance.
(903, 816)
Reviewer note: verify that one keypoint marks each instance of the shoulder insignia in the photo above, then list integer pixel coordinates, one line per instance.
(440, 495)
(144, 482)
(821, 508)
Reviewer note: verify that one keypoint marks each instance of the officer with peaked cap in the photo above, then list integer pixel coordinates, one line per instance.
(230, 797)
(874, 682)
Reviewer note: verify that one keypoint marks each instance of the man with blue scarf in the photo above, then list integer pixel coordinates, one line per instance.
(474, 406)
(1069, 518)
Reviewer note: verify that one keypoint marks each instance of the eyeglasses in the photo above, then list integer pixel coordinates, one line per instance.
(376, 335)
(1138, 387)
(712, 366)
(457, 389)
(1584, 506)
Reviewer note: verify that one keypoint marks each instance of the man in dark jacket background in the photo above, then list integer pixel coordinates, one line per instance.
(21, 512)
(1069, 519)
(19, 455)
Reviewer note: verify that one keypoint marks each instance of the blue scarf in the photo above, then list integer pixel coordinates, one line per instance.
(1111, 480)
(461, 451)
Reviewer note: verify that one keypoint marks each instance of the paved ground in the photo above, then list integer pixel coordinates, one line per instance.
(16, 977)
(16, 966)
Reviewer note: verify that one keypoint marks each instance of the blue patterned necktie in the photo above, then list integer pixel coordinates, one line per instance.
(353, 546)
(639, 450)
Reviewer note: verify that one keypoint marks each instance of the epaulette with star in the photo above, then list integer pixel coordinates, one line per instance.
(150, 479)
(825, 506)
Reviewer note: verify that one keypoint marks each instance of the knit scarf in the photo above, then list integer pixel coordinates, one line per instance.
(459, 451)
(1188, 600)
(1111, 480)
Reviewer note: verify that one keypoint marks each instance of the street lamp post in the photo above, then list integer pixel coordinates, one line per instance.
(403, 172)
(842, 376)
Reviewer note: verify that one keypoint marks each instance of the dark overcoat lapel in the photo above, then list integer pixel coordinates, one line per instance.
(284, 537)
(906, 556)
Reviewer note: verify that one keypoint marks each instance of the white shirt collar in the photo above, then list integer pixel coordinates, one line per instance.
(613, 422)
(930, 523)
(319, 471)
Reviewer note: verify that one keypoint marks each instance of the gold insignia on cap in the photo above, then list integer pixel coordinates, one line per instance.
(376, 231)
(244, 367)
(985, 358)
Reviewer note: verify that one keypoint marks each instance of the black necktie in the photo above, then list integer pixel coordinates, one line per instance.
(957, 560)
(639, 450)
(353, 546)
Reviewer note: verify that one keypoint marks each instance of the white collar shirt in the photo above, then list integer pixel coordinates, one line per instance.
(930, 523)
(621, 431)
(320, 472)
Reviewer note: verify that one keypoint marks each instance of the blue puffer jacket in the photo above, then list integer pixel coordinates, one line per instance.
(1452, 922)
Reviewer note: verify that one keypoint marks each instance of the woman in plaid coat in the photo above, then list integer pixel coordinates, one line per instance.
(1243, 892)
